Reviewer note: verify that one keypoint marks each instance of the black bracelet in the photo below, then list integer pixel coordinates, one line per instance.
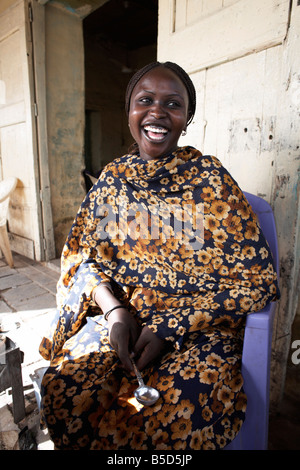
(109, 311)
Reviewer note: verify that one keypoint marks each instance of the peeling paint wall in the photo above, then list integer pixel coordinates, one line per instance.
(65, 117)
(244, 60)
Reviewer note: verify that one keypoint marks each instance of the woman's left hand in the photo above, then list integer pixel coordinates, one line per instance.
(147, 347)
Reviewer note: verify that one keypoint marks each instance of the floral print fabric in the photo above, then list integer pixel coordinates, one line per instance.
(191, 274)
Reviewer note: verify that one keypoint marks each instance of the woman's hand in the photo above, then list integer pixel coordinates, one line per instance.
(123, 329)
(147, 347)
(123, 334)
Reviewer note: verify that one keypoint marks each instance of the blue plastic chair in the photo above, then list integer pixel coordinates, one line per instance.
(256, 357)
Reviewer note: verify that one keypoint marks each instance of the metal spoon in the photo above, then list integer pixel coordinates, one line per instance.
(144, 394)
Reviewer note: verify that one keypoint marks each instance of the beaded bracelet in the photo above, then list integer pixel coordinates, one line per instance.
(109, 311)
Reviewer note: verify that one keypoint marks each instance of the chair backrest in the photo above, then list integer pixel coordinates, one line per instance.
(7, 186)
(266, 219)
(256, 357)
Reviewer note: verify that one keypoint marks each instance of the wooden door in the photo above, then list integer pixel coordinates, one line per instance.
(23, 149)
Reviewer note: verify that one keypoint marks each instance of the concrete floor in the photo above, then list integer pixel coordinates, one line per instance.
(27, 301)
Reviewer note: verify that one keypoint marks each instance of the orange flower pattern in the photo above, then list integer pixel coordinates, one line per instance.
(195, 296)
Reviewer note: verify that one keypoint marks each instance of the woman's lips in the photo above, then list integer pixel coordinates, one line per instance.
(155, 133)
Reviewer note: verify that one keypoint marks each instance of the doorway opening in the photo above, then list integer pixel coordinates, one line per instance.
(119, 38)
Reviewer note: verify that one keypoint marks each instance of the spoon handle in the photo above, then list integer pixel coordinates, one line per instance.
(137, 373)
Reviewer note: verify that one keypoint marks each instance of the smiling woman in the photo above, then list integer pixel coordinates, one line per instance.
(177, 306)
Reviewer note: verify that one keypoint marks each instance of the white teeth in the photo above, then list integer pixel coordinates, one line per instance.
(158, 130)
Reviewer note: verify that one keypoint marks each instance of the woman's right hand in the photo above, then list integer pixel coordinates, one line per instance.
(123, 329)
(123, 334)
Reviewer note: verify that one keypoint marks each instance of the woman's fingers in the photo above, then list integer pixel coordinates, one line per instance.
(125, 337)
(123, 334)
(119, 339)
(147, 347)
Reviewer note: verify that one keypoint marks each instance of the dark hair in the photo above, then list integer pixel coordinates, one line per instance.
(178, 71)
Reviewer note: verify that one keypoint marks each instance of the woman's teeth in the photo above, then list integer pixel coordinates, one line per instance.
(158, 130)
(155, 133)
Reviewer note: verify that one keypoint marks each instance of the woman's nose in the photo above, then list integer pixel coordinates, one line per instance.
(157, 110)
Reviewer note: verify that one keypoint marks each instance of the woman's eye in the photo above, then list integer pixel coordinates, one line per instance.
(145, 100)
(173, 104)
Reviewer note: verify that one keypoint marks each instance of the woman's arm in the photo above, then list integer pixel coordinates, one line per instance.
(122, 327)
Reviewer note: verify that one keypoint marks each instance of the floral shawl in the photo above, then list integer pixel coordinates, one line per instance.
(179, 243)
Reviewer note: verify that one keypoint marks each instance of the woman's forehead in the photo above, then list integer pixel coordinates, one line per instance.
(162, 77)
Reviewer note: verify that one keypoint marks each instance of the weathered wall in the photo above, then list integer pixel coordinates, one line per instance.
(286, 196)
(65, 117)
(244, 60)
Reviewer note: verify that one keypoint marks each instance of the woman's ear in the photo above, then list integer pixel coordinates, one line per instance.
(133, 149)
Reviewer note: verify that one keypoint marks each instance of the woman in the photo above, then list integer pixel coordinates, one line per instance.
(163, 262)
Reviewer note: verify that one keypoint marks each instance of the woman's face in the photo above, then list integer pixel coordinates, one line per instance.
(158, 112)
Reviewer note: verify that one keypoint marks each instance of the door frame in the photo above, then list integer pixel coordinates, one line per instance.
(36, 46)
